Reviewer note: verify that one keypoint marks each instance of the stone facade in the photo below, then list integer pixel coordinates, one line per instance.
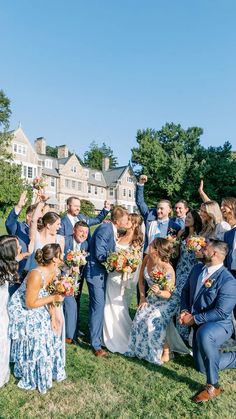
(67, 177)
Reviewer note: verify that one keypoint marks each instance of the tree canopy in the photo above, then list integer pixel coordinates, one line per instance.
(175, 161)
(94, 156)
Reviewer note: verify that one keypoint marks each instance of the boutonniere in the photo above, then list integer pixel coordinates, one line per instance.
(171, 232)
(208, 283)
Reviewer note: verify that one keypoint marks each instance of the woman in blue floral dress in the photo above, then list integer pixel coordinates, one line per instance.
(36, 349)
(187, 259)
(153, 333)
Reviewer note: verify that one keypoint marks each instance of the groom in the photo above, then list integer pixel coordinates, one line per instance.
(102, 243)
(207, 301)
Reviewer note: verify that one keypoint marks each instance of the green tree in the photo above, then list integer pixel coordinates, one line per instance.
(51, 151)
(87, 208)
(11, 183)
(94, 156)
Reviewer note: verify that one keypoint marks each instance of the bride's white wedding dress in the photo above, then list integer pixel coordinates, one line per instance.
(4, 339)
(117, 322)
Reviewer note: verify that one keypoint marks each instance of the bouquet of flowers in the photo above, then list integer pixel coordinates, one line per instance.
(124, 260)
(65, 285)
(74, 260)
(163, 280)
(39, 183)
(196, 243)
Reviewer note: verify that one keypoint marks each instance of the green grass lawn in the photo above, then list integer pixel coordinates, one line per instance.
(118, 387)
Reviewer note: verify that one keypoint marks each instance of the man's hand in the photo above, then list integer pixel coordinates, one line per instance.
(187, 319)
(107, 205)
(143, 179)
(200, 189)
(22, 201)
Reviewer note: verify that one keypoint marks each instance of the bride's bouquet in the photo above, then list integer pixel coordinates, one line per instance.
(65, 285)
(196, 243)
(74, 260)
(124, 261)
(163, 280)
(39, 183)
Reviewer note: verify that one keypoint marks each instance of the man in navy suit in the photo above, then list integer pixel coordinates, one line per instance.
(102, 243)
(207, 301)
(157, 221)
(181, 209)
(78, 241)
(73, 215)
(18, 228)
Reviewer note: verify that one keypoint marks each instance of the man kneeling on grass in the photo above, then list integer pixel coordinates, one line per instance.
(207, 302)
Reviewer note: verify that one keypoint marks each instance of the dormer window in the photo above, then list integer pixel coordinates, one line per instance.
(48, 163)
(98, 176)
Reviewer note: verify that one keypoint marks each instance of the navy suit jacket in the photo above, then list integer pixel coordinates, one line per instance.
(213, 304)
(19, 229)
(150, 214)
(67, 228)
(101, 244)
(229, 239)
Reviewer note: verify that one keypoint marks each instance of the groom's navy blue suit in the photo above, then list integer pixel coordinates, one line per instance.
(101, 244)
(212, 310)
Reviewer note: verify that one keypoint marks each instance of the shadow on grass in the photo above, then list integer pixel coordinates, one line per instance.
(166, 372)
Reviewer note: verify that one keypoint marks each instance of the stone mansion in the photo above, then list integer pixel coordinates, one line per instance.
(66, 176)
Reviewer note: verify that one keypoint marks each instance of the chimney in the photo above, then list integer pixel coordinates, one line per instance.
(62, 152)
(40, 145)
(105, 164)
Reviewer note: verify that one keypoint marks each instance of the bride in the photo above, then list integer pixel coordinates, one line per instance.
(117, 322)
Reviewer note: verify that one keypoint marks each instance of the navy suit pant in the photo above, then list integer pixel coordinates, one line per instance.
(96, 312)
(208, 359)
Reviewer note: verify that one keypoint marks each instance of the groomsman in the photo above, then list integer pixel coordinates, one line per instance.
(78, 241)
(20, 228)
(101, 244)
(157, 221)
(181, 209)
(207, 301)
(73, 215)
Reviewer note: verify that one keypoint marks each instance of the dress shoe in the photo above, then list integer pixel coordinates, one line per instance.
(100, 353)
(207, 394)
(69, 341)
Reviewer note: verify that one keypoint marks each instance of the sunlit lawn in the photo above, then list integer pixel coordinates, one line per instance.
(118, 387)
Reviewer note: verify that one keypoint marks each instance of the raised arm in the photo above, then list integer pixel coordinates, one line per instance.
(100, 217)
(202, 194)
(33, 225)
(12, 219)
(139, 196)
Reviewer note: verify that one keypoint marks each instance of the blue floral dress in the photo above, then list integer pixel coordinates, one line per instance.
(185, 264)
(149, 328)
(36, 351)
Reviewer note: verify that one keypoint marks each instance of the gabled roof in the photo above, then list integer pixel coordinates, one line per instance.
(93, 181)
(113, 175)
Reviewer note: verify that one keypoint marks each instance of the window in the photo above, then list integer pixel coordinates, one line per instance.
(52, 181)
(129, 179)
(48, 164)
(67, 183)
(89, 189)
(95, 190)
(30, 172)
(25, 171)
(98, 176)
(124, 192)
(73, 169)
(111, 191)
(79, 186)
(35, 171)
(86, 173)
(19, 148)
(73, 184)
(130, 193)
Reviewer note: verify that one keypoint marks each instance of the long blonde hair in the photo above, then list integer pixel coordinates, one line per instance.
(212, 209)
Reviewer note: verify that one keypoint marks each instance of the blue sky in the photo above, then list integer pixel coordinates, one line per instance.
(82, 71)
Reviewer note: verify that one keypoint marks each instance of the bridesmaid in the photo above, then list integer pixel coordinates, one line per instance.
(36, 349)
(187, 259)
(9, 250)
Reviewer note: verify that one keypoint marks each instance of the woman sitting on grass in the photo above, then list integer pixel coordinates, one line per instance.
(153, 333)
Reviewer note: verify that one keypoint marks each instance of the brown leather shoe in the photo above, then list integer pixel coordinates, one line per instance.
(69, 341)
(100, 353)
(207, 394)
